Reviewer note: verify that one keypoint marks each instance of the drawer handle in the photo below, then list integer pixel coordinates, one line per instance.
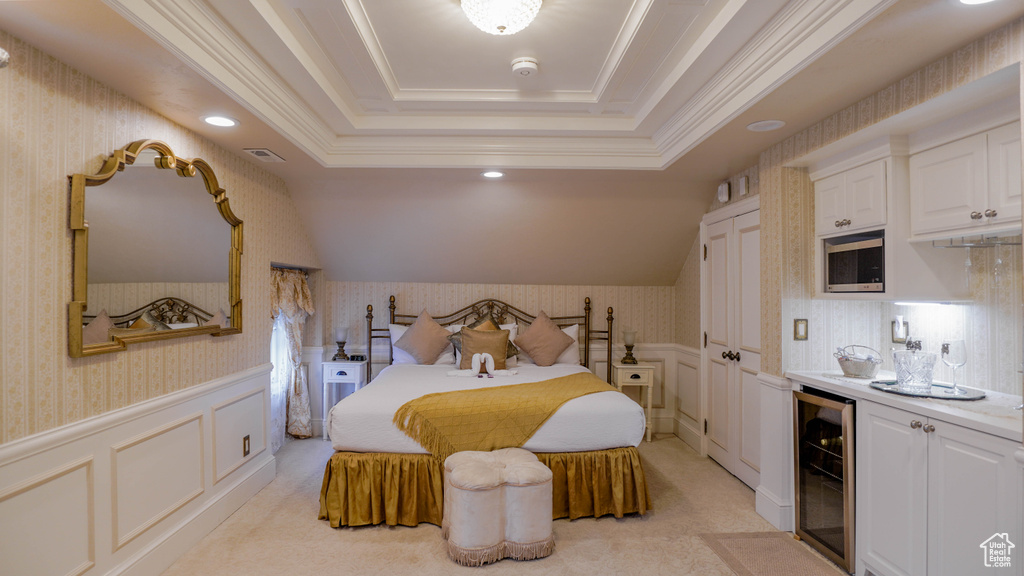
(634, 376)
(341, 373)
(975, 215)
(915, 424)
(991, 213)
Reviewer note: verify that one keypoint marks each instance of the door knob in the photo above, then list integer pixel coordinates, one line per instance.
(915, 424)
(725, 356)
(928, 428)
(975, 215)
(991, 213)
(737, 356)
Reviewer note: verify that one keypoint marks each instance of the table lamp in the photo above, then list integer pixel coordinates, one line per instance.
(629, 339)
(340, 336)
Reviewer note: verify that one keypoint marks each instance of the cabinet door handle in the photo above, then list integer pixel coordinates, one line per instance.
(991, 213)
(847, 222)
(929, 428)
(839, 223)
(915, 424)
(975, 215)
(341, 373)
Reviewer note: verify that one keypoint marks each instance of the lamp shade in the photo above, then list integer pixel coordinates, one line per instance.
(341, 334)
(501, 17)
(629, 337)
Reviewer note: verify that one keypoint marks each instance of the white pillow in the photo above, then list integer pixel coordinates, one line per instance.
(400, 356)
(182, 325)
(571, 354)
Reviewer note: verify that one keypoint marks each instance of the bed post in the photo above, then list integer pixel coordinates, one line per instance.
(369, 342)
(611, 319)
(586, 330)
(392, 307)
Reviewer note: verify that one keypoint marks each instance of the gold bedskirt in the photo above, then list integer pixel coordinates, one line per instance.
(405, 489)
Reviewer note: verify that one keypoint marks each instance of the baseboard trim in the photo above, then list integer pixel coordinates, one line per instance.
(161, 553)
(773, 509)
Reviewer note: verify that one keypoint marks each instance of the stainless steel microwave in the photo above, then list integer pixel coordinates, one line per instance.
(855, 263)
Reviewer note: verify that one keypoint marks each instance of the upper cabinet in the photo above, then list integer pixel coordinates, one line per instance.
(969, 186)
(851, 201)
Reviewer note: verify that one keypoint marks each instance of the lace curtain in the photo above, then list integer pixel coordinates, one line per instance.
(291, 303)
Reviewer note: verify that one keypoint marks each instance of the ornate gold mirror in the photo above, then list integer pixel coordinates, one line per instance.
(157, 252)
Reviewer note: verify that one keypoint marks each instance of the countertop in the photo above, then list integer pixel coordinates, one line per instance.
(993, 414)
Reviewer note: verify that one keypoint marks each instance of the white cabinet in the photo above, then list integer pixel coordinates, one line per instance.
(851, 200)
(731, 359)
(968, 186)
(929, 493)
(341, 373)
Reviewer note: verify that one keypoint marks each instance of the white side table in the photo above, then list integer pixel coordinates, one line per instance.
(341, 372)
(636, 375)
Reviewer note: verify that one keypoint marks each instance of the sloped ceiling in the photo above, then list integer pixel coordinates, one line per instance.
(388, 110)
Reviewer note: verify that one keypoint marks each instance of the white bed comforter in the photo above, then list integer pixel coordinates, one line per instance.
(362, 422)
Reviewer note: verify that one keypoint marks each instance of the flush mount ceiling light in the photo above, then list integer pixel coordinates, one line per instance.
(222, 121)
(973, 2)
(501, 17)
(765, 125)
(492, 174)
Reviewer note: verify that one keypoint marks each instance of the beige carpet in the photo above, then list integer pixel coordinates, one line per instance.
(277, 531)
(768, 554)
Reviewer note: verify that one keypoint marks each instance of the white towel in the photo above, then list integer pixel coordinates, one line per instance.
(483, 363)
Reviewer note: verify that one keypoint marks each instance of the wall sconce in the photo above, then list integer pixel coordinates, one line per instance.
(340, 337)
(629, 339)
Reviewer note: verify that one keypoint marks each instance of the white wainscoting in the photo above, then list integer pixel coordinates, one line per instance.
(129, 491)
(688, 421)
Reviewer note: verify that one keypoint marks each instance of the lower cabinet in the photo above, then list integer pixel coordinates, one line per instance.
(932, 495)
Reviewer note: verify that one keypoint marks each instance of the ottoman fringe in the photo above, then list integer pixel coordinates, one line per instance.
(514, 550)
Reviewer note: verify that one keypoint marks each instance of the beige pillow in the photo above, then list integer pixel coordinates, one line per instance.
(484, 324)
(220, 319)
(493, 342)
(543, 340)
(97, 331)
(424, 340)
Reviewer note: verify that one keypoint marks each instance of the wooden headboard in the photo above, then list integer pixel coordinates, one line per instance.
(505, 314)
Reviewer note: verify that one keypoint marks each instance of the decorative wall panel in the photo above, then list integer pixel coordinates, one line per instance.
(56, 121)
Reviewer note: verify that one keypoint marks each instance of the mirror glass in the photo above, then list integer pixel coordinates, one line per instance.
(160, 252)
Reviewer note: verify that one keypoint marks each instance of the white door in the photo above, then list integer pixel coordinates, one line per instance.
(733, 315)
(1004, 181)
(947, 185)
(829, 205)
(865, 196)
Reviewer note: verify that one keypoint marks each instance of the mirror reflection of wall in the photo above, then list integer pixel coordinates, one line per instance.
(154, 234)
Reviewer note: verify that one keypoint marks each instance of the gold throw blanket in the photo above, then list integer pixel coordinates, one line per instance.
(489, 418)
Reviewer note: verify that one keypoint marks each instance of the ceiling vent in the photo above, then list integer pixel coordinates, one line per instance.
(263, 155)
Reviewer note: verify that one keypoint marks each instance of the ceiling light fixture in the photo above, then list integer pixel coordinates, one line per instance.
(4, 58)
(492, 174)
(524, 67)
(765, 125)
(222, 121)
(973, 2)
(501, 17)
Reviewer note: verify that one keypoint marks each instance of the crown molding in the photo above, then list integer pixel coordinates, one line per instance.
(197, 35)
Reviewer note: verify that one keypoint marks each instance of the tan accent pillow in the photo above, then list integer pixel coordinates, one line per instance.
(139, 324)
(493, 342)
(97, 331)
(424, 340)
(483, 324)
(543, 340)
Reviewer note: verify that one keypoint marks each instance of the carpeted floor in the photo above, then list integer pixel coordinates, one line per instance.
(277, 531)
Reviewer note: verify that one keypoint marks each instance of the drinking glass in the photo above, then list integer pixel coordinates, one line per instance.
(954, 355)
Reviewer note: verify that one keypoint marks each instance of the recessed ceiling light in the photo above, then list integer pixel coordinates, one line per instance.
(765, 125)
(222, 121)
(972, 2)
(492, 174)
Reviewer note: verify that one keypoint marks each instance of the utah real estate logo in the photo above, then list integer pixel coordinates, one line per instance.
(997, 550)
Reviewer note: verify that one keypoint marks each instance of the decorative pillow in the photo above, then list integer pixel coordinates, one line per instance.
(97, 331)
(148, 317)
(220, 319)
(175, 326)
(425, 340)
(571, 354)
(543, 341)
(485, 324)
(139, 324)
(511, 360)
(399, 356)
(493, 342)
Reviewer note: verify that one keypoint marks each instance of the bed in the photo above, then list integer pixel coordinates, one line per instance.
(380, 475)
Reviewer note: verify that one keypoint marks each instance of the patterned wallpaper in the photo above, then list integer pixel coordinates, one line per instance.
(55, 122)
(687, 296)
(787, 226)
(647, 309)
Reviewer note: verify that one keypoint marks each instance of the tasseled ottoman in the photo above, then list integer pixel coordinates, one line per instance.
(497, 505)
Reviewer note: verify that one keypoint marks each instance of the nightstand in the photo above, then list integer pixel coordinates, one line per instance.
(636, 375)
(336, 373)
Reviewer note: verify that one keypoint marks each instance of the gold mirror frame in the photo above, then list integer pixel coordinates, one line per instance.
(166, 159)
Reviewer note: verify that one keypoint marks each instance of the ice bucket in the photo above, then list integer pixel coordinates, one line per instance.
(914, 370)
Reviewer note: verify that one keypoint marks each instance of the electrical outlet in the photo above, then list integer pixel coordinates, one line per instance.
(245, 445)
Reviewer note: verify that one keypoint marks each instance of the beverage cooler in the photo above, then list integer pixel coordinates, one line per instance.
(824, 479)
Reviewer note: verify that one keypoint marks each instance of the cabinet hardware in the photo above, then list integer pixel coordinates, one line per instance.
(705, 252)
(737, 356)
(991, 213)
(705, 426)
(847, 222)
(634, 376)
(726, 355)
(928, 428)
(341, 373)
(705, 339)
(975, 215)
(915, 424)
(838, 224)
